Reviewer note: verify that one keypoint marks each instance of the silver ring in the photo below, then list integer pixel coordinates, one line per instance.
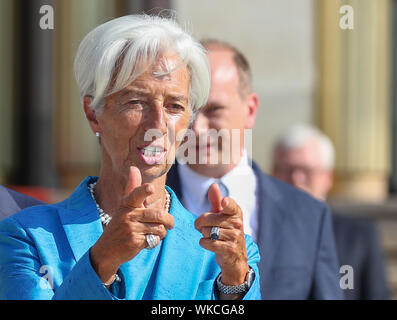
(151, 240)
(214, 233)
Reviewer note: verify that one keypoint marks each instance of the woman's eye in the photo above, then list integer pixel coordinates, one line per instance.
(135, 104)
(175, 107)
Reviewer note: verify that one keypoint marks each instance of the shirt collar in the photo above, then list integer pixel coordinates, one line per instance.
(193, 184)
(234, 176)
(196, 185)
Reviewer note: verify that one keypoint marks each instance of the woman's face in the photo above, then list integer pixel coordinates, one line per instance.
(138, 124)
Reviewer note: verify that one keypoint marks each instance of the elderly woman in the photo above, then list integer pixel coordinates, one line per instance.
(124, 234)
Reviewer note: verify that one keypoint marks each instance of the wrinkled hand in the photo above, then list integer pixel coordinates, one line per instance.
(125, 235)
(229, 249)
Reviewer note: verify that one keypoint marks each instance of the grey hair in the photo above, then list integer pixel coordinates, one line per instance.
(113, 54)
(300, 134)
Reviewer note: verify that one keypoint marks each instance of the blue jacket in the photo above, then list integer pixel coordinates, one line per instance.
(44, 254)
(295, 240)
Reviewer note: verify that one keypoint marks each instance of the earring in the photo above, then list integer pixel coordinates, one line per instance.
(97, 134)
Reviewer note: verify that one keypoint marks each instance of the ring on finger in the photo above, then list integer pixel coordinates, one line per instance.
(151, 240)
(214, 233)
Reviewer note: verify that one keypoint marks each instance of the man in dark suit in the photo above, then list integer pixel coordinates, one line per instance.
(293, 230)
(304, 157)
(12, 202)
(357, 245)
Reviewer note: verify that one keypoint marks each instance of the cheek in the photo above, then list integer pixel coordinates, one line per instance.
(124, 124)
(180, 122)
(238, 119)
(176, 128)
(230, 118)
(118, 133)
(220, 121)
(323, 182)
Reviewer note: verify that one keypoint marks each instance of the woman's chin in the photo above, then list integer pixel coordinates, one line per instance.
(150, 167)
(151, 172)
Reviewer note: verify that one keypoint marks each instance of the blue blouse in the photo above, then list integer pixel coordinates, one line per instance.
(44, 254)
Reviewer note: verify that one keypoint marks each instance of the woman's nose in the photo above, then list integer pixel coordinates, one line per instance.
(156, 119)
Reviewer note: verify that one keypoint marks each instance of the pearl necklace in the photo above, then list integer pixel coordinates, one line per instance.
(105, 218)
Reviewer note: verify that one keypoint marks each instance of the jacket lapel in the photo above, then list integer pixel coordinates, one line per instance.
(80, 219)
(270, 218)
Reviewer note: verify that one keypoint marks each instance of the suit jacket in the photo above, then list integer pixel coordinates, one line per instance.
(44, 254)
(357, 245)
(295, 239)
(12, 201)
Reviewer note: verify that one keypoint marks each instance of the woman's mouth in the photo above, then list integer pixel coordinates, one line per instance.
(151, 154)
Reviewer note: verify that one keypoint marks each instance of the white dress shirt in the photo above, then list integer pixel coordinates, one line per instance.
(240, 182)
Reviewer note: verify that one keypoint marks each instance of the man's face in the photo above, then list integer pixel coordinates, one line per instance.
(303, 167)
(151, 102)
(226, 109)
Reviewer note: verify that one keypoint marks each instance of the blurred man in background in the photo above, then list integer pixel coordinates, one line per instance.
(12, 202)
(304, 158)
(293, 231)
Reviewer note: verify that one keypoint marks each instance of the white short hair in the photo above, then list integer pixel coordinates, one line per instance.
(300, 134)
(120, 47)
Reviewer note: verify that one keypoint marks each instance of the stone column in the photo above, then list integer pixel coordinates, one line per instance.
(353, 101)
(393, 178)
(77, 148)
(34, 97)
(7, 79)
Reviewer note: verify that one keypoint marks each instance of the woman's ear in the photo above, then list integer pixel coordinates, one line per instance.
(90, 114)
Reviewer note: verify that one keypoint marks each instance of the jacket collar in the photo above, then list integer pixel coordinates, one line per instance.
(271, 215)
(80, 219)
(82, 225)
(81, 222)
